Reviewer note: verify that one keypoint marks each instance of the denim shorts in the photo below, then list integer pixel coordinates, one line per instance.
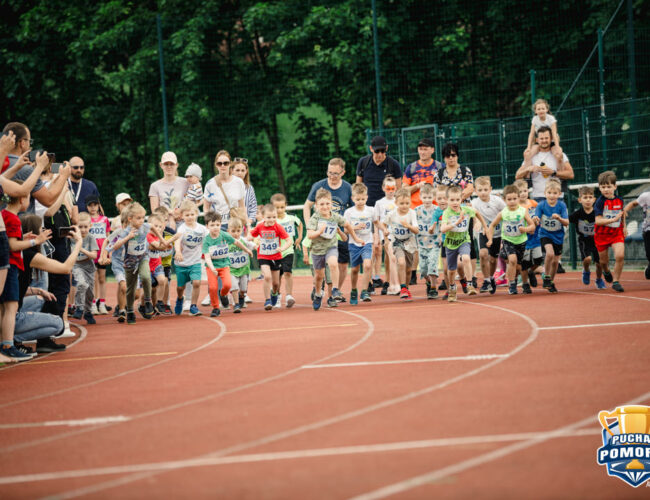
(4, 250)
(359, 254)
(11, 291)
(452, 255)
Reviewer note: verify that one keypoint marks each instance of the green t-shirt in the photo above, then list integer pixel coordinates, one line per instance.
(240, 264)
(512, 221)
(290, 223)
(217, 248)
(459, 234)
(327, 240)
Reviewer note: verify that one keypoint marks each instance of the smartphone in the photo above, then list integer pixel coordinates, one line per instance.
(56, 167)
(65, 231)
(35, 152)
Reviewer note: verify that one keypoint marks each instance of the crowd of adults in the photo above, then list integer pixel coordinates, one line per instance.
(59, 193)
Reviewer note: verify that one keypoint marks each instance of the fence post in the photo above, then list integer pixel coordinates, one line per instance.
(601, 78)
(502, 151)
(532, 86)
(436, 141)
(402, 147)
(162, 81)
(572, 233)
(586, 145)
(631, 72)
(380, 113)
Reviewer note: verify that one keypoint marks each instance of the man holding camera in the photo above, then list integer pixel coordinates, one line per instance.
(80, 188)
(45, 195)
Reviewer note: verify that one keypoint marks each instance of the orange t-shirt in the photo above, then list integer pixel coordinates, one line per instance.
(413, 176)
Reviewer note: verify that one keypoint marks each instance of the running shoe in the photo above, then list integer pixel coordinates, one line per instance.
(15, 355)
(552, 288)
(560, 269)
(130, 318)
(617, 286)
(332, 302)
(194, 311)
(316, 302)
(600, 284)
(586, 277)
(206, 300)
(384, 288)
(178, 308)
(354, 297)
(463, 284)
(371, 288)
(512, 289)
(471, 289)
(186, 305)
(608, 276)
(313, 293)
(148, 310)
(546, 283)
(532, 279)
(93, 309)
(216, 312)
(443, 286)
(475, 282)
(365, 296)
(405, 294)
(452, 296)
(121, 316)
(414, 278)
(268, 305)
(48, 345)
(525, 289)
(277, 303)
(101, 308)
(432, 293)
(236, 308)
(290, 301)
(89, 318)
(78, 313)
(485, 287)
(493, 286)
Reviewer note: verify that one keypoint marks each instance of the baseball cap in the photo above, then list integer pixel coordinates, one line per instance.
(378, 142)
(168, 156)
(427, 142)
(194, 169)
(121, 197)
(91, 198)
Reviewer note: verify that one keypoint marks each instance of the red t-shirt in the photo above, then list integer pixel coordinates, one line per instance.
(154, 260)
(270, 237)
(14, 230)
(608, 208)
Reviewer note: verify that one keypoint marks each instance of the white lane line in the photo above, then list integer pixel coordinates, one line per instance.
(295, 455)
(437, 475)
(615, 295)
(472, 357)
(594, 325)
(68, 423)
(532, 336)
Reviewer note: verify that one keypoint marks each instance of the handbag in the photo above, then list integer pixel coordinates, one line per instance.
(234, 212)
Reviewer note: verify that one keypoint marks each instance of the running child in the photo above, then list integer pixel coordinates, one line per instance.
(643, 201)
(552, 216)
(585, 219)
(610, 228)
(156, 249)
(269, 252)
(533, 256)
(441, 201)
(293, 226)
(240, 264)
(166, 257)
(401, 225)
(216, 250)
(322, 230)
(83, 271)
(455, 224)
(306, 258)
(360, 218)
(428, 239)
(100, 227)
(382, 207)
(515, 224)
(189, 249)
(489, 206)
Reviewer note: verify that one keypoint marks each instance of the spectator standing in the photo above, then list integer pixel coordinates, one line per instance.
(224, 191)
(80, 188)
(240, 169)
(169, 191)
(422, 171)
(373, 168)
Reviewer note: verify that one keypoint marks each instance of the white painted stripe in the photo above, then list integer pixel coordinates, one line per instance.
(471, 357)
(594, 325)
(68, 423)
(296, 454)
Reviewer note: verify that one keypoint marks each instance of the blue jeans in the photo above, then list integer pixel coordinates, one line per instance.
(36, 325)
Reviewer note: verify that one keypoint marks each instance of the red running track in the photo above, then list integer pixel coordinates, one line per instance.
(494, 396)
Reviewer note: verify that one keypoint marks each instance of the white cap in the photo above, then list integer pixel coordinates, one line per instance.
(194, 169)
(168, 156)
(121, 197)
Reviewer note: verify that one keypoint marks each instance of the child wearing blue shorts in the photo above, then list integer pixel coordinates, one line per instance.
(360, 218)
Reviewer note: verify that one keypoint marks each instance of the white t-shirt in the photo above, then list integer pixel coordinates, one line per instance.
(537, 123)
(539, 179)
(235, 191)
(397, 230)
(644, 202)
(489, 210)
(170, 194)
(382, 207)
(191, 243)
(360, 217)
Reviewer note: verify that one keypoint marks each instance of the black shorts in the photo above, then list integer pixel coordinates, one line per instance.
(12, 288)
(493, 251)
(100, 266)
(588, 248)
(344, 253)
(533, 257)
(557, 249)
(443, 252)
(168, 272)
(273, 264)
(4, 251)
(473, 253)
(509, 248)
(286, 264)
(154, 282)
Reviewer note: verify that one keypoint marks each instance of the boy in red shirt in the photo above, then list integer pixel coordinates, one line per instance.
(610, 228)
(158, 278)
(269, 252)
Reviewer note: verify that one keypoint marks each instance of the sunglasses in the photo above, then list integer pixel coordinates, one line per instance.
(222, 163)
(390, 188)
(380, 151)
(78, 167)
(241, 160)
(452, 155)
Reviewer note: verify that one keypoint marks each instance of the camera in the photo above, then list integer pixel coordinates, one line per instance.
(35, 152)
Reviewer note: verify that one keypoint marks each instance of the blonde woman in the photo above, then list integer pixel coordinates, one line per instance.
(224, 191)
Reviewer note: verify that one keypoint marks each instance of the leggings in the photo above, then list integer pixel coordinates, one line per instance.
(213, 285)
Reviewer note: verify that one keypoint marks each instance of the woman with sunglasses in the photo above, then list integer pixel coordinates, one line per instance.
(240, 169)
(224, 191)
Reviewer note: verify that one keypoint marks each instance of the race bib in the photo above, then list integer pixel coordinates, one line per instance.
(366, 223)
(218, 251)
(238, 259)
(610, 214)
(551, 224)
(98, 230)
(423, 228)
(460, 228)
(269, 246)
(290, 229)
(192, 240)
(497, 228)
(586, 228)
(330, 229)
(511, 229)
(136, 248)
(400, 232)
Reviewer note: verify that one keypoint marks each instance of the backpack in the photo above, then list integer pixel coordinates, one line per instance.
(366, 162)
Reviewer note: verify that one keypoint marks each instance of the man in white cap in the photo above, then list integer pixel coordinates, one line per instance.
(170, 190)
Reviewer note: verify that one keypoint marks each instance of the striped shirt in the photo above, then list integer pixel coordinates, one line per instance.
(251, 203)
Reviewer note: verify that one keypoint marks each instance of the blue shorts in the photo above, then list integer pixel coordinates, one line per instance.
(188, 273)
(11, 291)
(359, 254)
(4, 250)
(117, 266)
(452, 255)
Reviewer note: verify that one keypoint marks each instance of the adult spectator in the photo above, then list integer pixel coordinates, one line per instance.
(170, 190)
(453, 174)
(23, 142)
(224, 191)
(240, 169)
(341, 200)
(544, 165)
(373, 168)
(422, 171)
(80, 188)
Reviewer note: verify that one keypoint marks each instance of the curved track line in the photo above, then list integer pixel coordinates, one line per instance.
(121, 374)
(82, 335)
(201, 399)
(322, 423)
(618, 295)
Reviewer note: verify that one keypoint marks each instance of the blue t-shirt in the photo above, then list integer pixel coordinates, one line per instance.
(549, 227)
(82, 189)
(341, 197)
(533, 239)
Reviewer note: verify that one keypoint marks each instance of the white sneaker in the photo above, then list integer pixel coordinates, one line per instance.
(93, 309)
(247, 299)
(67, 333)
(102, 308)
(186, 305)
(278, 304)
(290, 301)
(206, 301)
